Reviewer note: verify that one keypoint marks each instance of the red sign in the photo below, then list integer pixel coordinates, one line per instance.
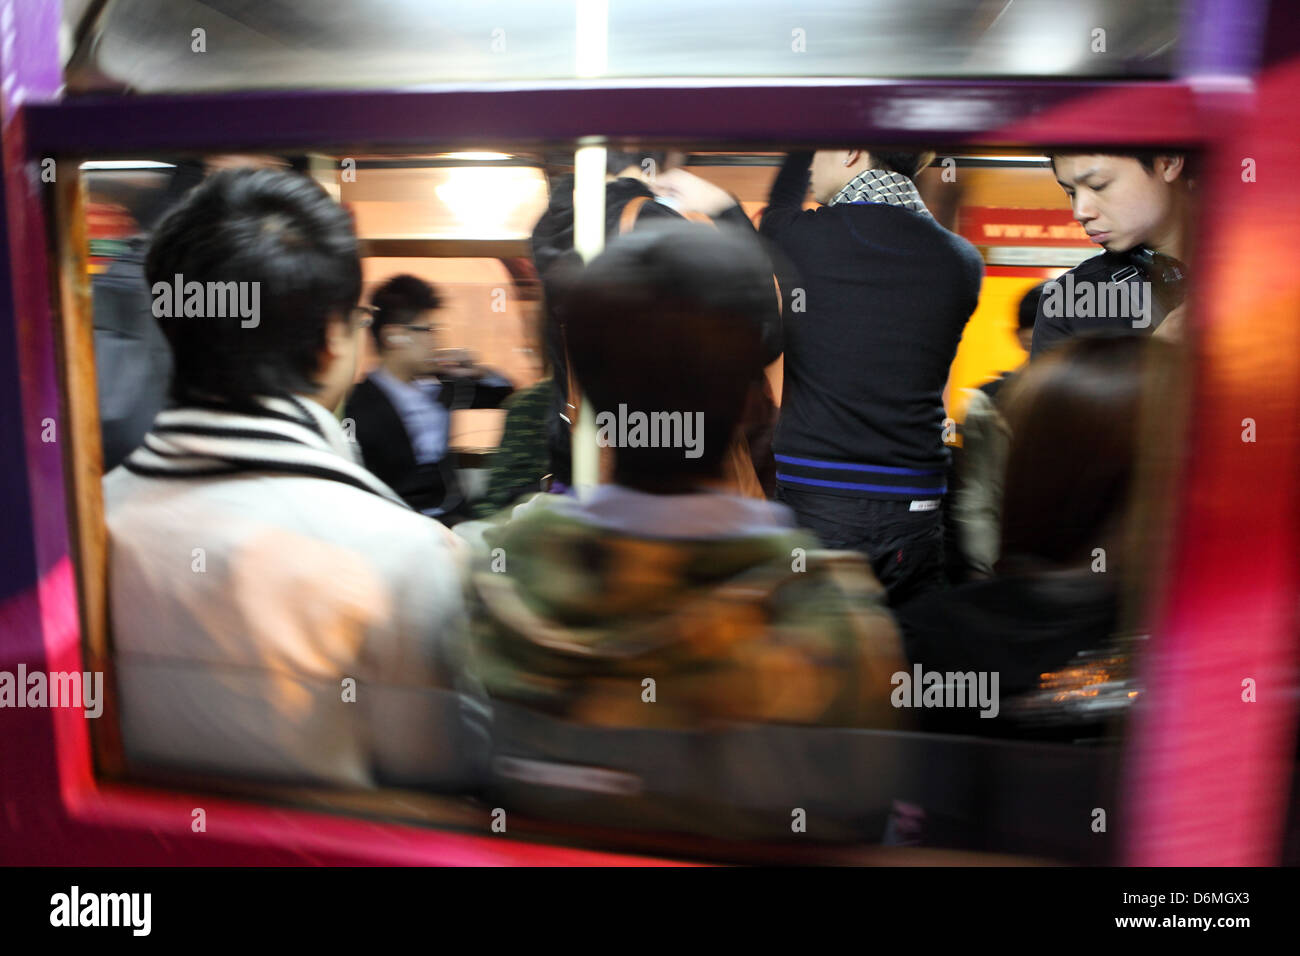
(996, 226)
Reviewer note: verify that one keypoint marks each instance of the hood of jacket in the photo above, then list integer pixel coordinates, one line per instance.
(573, 617)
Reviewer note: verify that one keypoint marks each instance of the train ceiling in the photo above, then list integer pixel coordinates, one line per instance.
(149, 46)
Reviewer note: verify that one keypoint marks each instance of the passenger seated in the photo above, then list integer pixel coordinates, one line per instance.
(1073, 422)
(665, 601)
(278, 612)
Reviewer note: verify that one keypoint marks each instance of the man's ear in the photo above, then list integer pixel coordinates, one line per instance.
(1170, 167)
(853, 155)
(339, 337)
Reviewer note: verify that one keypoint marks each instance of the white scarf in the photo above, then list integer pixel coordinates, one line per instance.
(287, 436)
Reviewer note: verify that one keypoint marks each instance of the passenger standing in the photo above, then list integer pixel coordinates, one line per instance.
(641, 189)
(979, 463)
(1137, 207)
(872, 322)
(1066, 530)
(402, 411)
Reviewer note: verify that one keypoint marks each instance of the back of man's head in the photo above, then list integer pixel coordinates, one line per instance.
(1027, 311)
(288, 248)
(647, 161)
(667, 320)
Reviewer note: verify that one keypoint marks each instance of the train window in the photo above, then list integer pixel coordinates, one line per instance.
(1033, 614)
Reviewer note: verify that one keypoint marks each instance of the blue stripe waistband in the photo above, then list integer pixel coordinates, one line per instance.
(901, 490)
(850, 466)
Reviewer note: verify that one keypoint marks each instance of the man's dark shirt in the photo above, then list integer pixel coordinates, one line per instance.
(387, 449)
(1067, 313)
(886, 293)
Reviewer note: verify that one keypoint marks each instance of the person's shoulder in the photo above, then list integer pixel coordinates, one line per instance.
(920, 227)
(957, 246)
(530, 396)
(118, 486)
(1097, 267)
(365, 392)
(339, 512)
(369, 402)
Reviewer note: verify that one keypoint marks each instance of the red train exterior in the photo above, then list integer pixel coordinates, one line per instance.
(1228, 608)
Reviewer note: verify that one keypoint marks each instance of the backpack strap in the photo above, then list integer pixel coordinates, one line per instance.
(627, 221)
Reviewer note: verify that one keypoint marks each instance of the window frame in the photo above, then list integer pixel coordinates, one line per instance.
(82, 814)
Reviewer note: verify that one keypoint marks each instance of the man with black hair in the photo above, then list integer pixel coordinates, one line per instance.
(668, 572)
(1137, 206)
(874, 310)
(641, 189)
(278, 612)
(402, 411)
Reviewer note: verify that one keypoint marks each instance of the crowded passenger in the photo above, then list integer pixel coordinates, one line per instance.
(521, 464)
(644, 189)
(667, 573)
(284, 611)
(1073, 418)
(1137, 206)
(976, 488)
(278, 612)
(872, 322)
(402, 411)
(132, 363)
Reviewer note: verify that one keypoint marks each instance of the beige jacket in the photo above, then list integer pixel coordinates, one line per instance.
(243, 607)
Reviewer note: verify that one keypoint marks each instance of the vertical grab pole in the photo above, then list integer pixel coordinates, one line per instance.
(589, 211)
(589, 240)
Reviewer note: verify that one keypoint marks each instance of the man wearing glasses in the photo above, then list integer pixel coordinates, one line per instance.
(402, 411)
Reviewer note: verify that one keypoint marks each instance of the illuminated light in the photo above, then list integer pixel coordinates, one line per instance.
(1007, 159)
(476, 156)
(125, 164)
(484, 198)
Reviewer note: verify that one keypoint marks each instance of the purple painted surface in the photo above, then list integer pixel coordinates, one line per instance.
(1222, 37)
(935, 112)
(29, 52)
(39, 626)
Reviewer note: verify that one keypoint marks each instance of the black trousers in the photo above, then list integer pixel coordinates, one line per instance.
(905, 547)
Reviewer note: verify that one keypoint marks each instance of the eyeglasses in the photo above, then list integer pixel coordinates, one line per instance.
(363, 317)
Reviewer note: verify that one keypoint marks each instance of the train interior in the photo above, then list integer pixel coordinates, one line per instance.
(425, 214)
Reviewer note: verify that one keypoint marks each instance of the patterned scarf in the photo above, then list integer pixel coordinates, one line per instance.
(881, 185)
(285, 436)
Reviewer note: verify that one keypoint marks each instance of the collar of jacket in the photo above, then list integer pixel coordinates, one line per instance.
(277, 435)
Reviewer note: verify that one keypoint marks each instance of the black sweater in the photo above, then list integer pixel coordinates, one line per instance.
(886, 293)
